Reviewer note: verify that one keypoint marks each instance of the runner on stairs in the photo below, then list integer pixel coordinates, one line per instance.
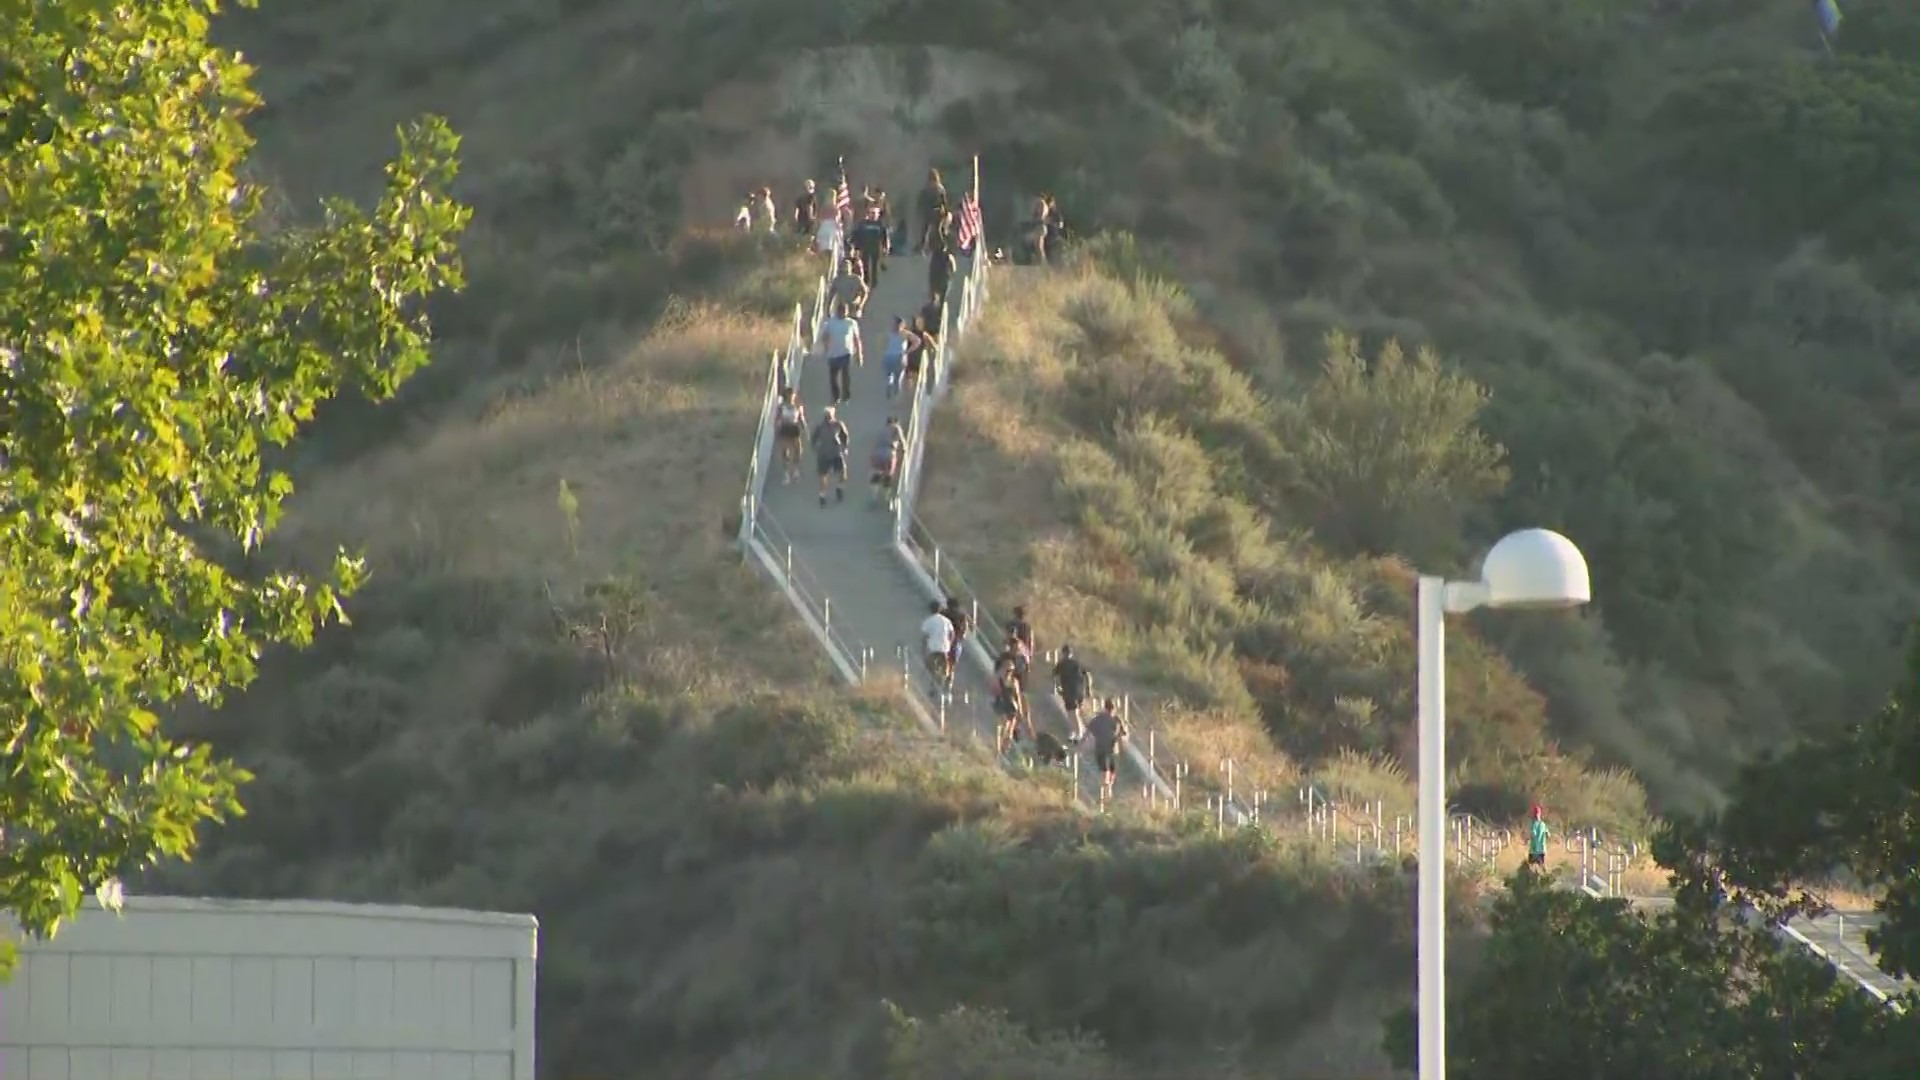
(888, 450)
(830, 441)
(790, 427)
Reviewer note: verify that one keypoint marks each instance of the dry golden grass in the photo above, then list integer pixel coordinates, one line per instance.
(650, 435)
(1007, 412)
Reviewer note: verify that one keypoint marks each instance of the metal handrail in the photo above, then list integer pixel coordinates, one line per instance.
(783, 370)
(932, 385)
(800, 582)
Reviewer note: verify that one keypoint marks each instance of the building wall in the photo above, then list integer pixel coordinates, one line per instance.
(266, 990)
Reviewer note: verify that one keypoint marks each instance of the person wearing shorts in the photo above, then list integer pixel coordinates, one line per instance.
(1007, 708)
(936, 637)
(1074, 683)
(900, 344)
(1108, 734)
(830, 441)
(790, 430)
(886, 461)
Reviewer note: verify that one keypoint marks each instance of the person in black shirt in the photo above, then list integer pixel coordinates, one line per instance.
(931, 204)
(1020, 629)
(870, 240)
(1108, 734)
(940, 266)
(1075, 684)
(806, 211)
(934, 310)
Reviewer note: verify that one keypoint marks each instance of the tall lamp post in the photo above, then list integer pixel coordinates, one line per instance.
(1532, 568)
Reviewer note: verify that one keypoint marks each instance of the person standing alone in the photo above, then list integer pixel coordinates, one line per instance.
(1537, 833)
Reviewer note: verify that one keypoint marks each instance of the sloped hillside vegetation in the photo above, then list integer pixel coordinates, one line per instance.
(1205, 541)
(1674, 243)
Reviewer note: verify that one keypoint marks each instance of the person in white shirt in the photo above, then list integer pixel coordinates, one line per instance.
(743, 217)
(827, 235)
(768, 217)
(841, 344)
(936, 635)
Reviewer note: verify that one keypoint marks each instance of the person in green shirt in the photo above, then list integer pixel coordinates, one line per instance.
(1537, 833)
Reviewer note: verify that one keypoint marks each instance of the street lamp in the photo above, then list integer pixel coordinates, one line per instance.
(1532, 568)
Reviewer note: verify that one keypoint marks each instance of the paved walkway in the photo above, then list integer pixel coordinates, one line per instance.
(847, 547)
(845, 550)
(1840, 935)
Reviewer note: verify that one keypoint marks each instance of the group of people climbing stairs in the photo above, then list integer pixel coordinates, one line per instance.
(894, 287)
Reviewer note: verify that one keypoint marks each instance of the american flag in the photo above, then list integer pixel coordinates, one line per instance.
(843, 195)
(969, 227)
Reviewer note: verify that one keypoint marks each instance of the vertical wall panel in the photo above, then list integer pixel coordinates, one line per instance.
(214, 989)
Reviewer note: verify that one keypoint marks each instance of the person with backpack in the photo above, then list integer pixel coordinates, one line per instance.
(830, 442)
(789, 428)
(1074, 683)
(888, 452)
(840, 342)
(893, 363)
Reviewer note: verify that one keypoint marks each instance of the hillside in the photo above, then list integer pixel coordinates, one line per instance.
(576, 704)
(1670, 244)
(562, 692)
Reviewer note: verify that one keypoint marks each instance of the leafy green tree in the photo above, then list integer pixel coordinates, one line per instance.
(1846, 800)
(1388, 452)
(1580, 988)
(1570, 986)
(156, 344)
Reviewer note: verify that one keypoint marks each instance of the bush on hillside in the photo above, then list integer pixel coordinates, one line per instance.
(1189, 494)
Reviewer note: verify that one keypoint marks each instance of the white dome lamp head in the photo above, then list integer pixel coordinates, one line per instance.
(1534, 569)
